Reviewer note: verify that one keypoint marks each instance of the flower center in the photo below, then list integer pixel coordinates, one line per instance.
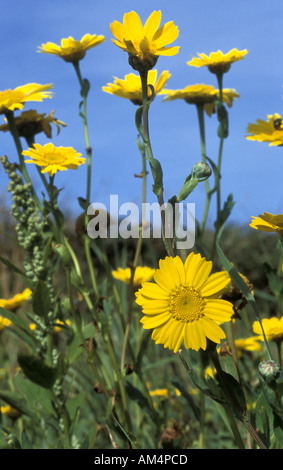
(54, 157)
(186, 304)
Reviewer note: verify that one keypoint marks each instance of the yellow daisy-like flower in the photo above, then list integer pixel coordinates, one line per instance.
(247, 344)
(9, 411)
(30, 123)
(201, 94)
(268, 223)
(144, 44)
(142, 274)
(273, 329)
(131, 88)
(183, 304)
(16, 301)
(53, 159)
(4, 323)
(217, 62)
(16, 98)
(71, 50)
(267, 131)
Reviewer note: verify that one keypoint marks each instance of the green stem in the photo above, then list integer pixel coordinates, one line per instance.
(147, 144)
(200, 112)
(83, 114)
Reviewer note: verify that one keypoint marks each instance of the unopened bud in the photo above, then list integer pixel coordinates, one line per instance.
(269, 370)
(201, 170)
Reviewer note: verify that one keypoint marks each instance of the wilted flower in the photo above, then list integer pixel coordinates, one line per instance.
(30, 123)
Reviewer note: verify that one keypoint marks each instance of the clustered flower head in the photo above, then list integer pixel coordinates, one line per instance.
(71, 50)
(270, 131)
(184, 303)
(217, 62)
(131, 88)
(144, 44)
(53, 159)
(10, 100)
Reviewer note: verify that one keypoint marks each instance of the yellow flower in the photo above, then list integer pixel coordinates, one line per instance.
(30, 123)
(201, 94)
(4, 323)
(217, 62)
(15, 99)
(54, 159)
(130, 87)
(273, 329)
(183, 304)
(57, 328)
(144, 44)
(267, 131)
(16, 301)
(9, 411)
(268, 223)
(159, 392)
(247, 344)
(70, 49)
(142, 274)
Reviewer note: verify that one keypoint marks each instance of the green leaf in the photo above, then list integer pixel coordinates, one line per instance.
(38, 399)
(157, 175)
(278, 428)
(41, 300)
(37, 371)
(138, 121)
(195, 409)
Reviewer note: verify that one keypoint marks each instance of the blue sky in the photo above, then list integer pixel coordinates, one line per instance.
(252, 171)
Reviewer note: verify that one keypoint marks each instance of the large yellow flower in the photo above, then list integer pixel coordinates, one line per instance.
(70, 49)
(30, 123)
(268, 223)
(183, 304)
(144, 44)
(201, 94)
(273, 329)
(54, 159)
(15, 99)
(16, 301)
(131, 88)
(217, 62)
(142, 274)
(267, 131)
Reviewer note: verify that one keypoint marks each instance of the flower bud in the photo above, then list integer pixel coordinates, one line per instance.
(269, 370)
(201, 170)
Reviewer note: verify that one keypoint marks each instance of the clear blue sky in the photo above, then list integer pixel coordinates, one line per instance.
(252, 171)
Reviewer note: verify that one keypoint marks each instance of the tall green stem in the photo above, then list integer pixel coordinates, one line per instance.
(84, 92)
(135, 263)
(200, 112)
(147, 144)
